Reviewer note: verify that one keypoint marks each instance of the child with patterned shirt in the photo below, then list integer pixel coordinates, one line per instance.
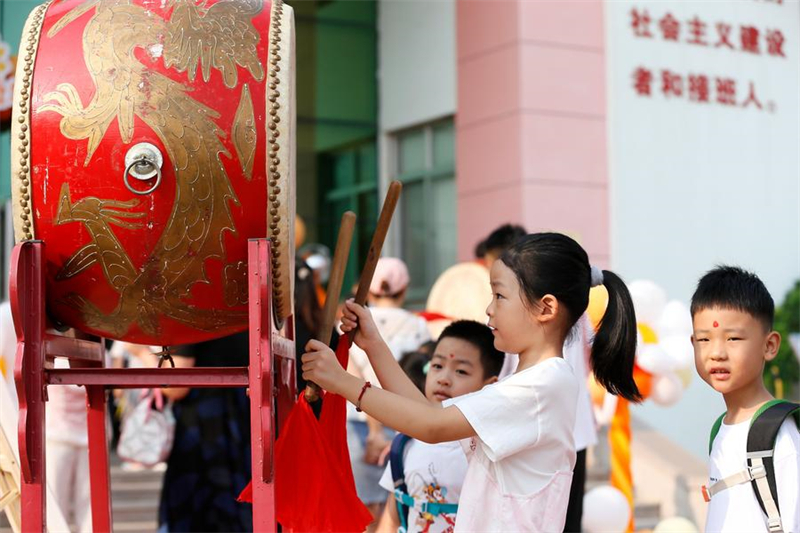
(464, 360)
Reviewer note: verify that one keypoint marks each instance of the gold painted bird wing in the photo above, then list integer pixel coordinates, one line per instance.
(221, 36)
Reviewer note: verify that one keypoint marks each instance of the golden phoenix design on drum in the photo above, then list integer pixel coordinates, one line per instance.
(155, 137)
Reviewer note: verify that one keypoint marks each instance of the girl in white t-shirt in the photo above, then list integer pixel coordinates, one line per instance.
(517, 433)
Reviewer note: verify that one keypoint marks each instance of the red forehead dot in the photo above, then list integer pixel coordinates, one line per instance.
(716, 324)
(452, 356)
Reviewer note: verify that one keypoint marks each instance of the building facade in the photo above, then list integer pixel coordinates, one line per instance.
(662, 136)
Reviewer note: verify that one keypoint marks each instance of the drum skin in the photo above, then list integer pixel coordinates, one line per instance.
(210, 85)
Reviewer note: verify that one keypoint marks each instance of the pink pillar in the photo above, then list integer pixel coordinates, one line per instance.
(531, 120)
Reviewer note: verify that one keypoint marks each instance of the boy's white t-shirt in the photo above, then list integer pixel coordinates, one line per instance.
(521, 460)
(736, 508)
(433, 473)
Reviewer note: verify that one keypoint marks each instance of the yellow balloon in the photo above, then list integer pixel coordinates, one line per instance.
(648, 335)
(598, 301)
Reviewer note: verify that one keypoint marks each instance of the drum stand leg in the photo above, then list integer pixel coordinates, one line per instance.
(27, 307)
(99, 482)
(262, 418)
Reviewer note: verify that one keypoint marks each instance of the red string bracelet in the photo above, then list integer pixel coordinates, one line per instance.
(367, 385)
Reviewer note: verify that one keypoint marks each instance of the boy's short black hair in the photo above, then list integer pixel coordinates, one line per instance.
(503, 237)
(480, 336)
(730, 287)
(480, 249)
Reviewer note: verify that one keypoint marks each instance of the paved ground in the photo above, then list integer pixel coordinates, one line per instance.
(135, 500)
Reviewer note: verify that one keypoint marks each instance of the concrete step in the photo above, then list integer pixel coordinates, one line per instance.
(136, 527)
(134, 498)
(646, 516)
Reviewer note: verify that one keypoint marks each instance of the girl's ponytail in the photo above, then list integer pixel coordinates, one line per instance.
(552, 263)
(614, 348)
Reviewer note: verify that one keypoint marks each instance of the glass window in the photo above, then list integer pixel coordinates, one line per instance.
(443, 215)
(411, 152)
(426, 166)
(344, 170)
(413, 231)
(350, 182)
(444, 152)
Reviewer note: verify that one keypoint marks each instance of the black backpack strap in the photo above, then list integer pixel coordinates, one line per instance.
(399, 476)
(396, 461)
(761, 438)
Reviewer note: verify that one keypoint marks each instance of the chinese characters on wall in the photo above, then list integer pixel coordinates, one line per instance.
(700, 87)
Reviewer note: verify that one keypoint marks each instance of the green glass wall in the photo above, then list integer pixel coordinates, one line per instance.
(337, 108)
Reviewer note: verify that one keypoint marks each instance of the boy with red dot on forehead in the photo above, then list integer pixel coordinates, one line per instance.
(732, 317)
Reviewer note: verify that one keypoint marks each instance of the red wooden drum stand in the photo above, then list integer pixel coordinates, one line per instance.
(270, 377)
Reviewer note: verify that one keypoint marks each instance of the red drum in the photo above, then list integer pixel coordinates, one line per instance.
(152, 139)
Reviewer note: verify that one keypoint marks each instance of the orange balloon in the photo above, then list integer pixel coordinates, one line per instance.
(644, 381)
(598, 301)
(299, 232)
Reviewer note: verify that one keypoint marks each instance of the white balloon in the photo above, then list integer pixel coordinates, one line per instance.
(652, 358)
(649, 301)
(679, 349)
(675, 320)
(667, 389)
(676, 524)
(605, 510)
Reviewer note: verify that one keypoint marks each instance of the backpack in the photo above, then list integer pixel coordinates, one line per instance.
(405, 502)
(760, 471)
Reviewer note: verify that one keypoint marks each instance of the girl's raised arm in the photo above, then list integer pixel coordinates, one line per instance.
(420, 420)
(368, 338)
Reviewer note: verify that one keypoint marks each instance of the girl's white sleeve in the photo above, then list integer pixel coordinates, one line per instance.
(505, 417)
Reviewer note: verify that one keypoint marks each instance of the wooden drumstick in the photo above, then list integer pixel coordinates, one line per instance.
(374, 253)
(385, 219)
(338, 267)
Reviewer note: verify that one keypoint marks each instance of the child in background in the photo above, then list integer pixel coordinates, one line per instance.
(518, 432)
(732, 315)
(415, 365)
(464, 361)
(403, 331)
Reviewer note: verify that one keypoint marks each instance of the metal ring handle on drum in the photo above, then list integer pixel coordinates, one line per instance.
(139, 161)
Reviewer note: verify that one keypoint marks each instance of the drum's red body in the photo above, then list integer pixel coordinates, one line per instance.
(196, 81)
